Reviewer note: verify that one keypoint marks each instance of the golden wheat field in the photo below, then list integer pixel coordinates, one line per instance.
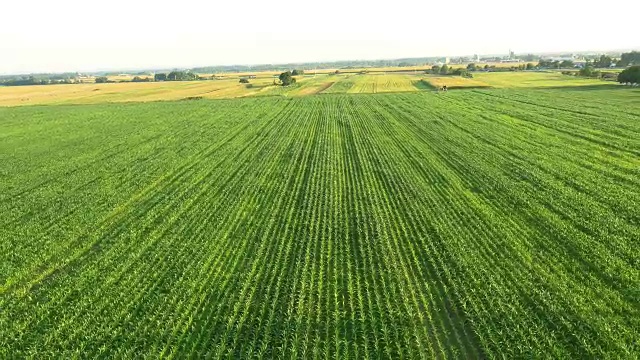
(228, 86)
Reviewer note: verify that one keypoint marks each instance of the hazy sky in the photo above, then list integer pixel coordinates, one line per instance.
(74, 35)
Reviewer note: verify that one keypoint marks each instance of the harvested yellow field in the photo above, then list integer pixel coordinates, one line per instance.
(91, 93)
(123, 92)
(534, 79)
(513, 79)
(127, 77)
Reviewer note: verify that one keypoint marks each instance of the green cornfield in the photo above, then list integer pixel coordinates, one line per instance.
(468, 224)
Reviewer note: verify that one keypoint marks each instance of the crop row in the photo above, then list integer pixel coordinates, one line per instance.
(483, 224)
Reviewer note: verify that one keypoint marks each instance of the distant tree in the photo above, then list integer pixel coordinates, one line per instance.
(244, 81)
(486, 66)
(472, 67)
(604, 61)
(444, 70)
(140, 79)
(101, 79)
(181, 76)
(566, 64)
(462, 72)
(586, 71)
(175, 75)
(630, 75)
(630, 58)
(286, 78)
(160, 77)
(589, 71)
(548, 63)
(297, 72)
(529, 66)
(435, 69)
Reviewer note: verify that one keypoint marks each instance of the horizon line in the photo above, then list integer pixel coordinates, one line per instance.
(156, 68)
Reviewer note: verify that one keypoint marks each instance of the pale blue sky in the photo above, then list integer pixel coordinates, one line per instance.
(73, 35)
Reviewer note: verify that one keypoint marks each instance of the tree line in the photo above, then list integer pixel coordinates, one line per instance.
(177, 76)
(604, 61)
(44, 79)
(466, 72)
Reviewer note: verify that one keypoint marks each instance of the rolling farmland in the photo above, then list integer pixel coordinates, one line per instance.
(229, 87)
(127, 92)
(529, 80)
(468, 224)
(535, 79)
(382, 83)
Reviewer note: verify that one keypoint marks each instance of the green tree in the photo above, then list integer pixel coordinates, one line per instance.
(101, 79)
(286, 78)
(462, 72)
(181, 76)
(529, 66)
(630, 75)
(435, 69)
(297, 72)
(630, 58)
(589, 71)
(472, 67)
(604, 61)
(140, 79)
(160, 77)
(444, 70)
(567, 64)
(543, 63)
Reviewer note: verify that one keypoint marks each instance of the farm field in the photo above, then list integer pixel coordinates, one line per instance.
(129, 92)
(380, 83)
(454, 82)
(263, 86)
(305, 85)
(482, 223)
(529, 79)
(536, 80)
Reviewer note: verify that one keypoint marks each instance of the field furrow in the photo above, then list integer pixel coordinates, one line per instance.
(467, 224)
